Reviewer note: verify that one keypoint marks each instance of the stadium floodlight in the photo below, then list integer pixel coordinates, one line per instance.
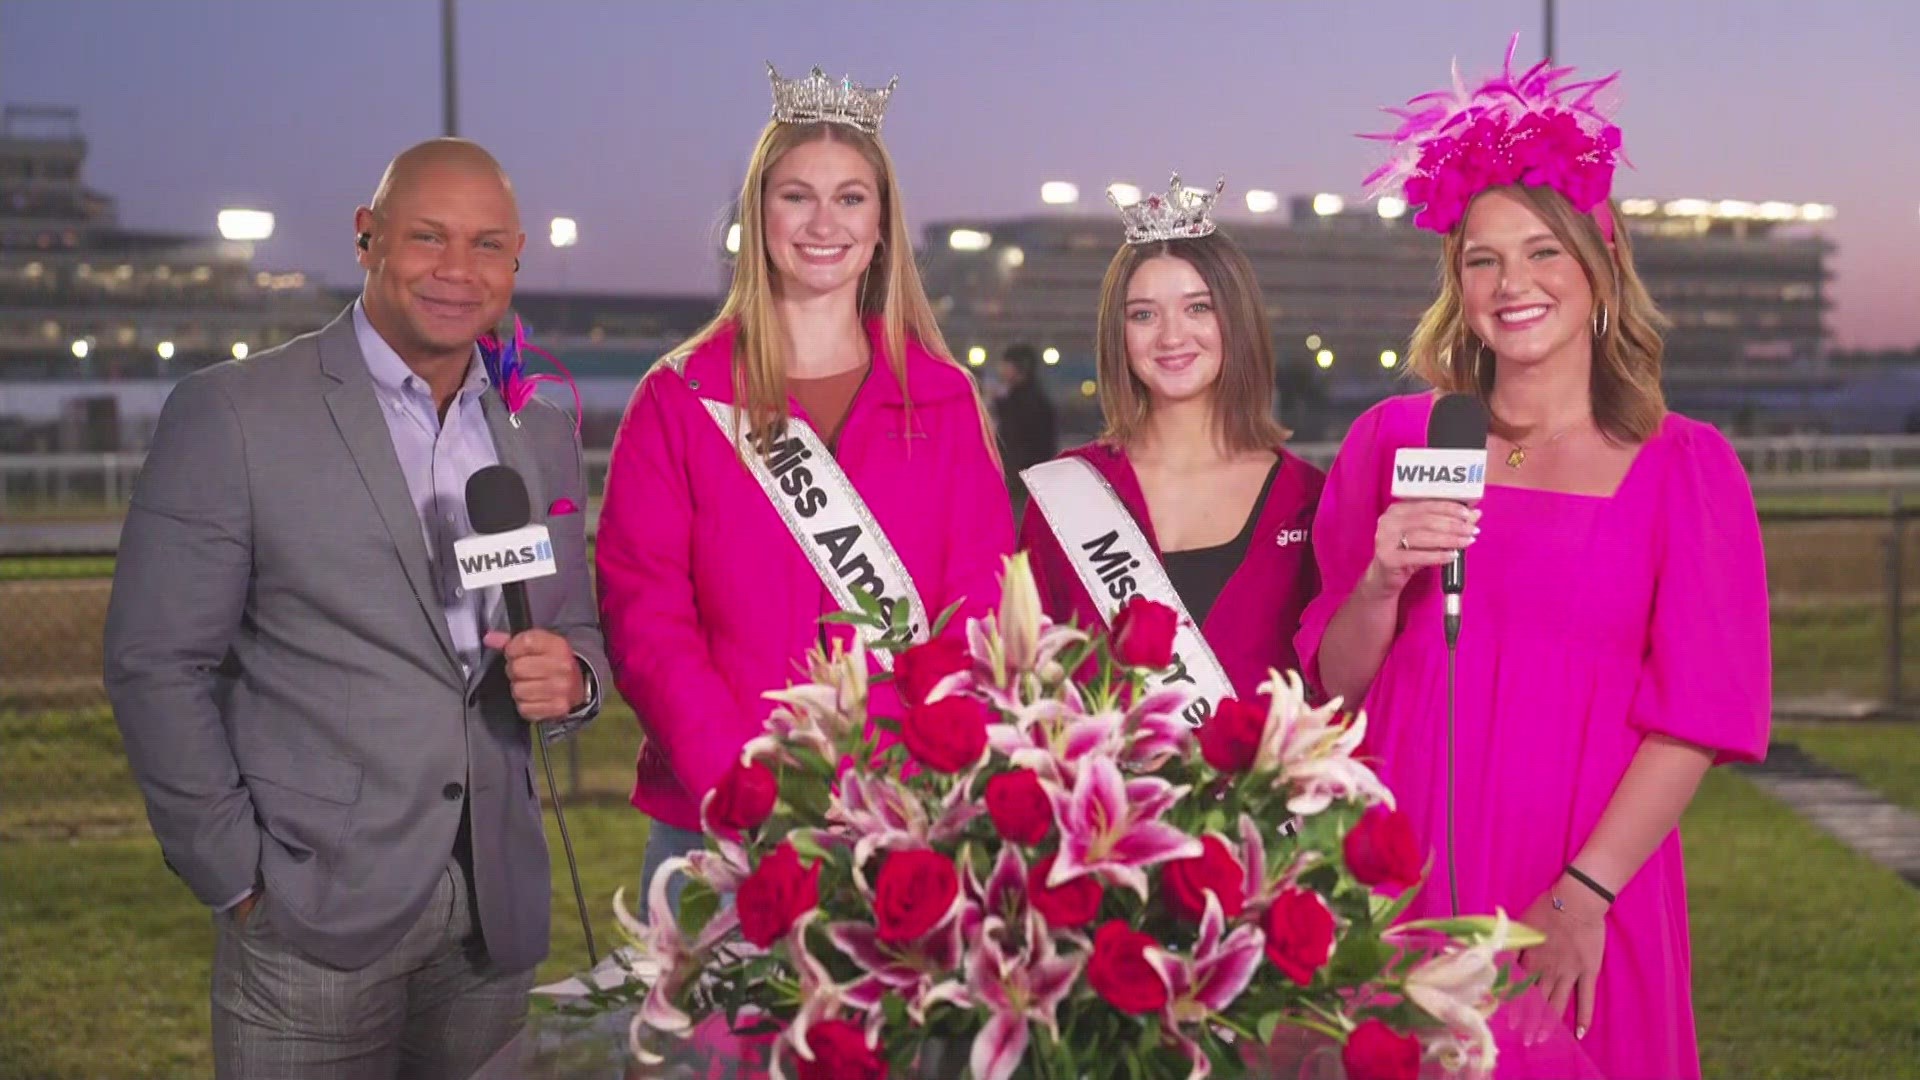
(238, 224)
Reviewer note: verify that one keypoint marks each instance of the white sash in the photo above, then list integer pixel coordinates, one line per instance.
(831, 524)
(1114, 561)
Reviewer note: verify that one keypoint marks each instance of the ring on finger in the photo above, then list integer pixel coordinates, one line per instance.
(1404, 546)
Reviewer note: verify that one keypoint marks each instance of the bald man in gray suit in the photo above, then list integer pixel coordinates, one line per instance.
(332, 735)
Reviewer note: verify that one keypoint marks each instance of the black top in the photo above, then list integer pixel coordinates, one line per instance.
(1198, 574)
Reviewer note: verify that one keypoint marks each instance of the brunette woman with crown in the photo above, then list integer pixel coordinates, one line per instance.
(1614, 643)
(783, 460)
(1188, 497)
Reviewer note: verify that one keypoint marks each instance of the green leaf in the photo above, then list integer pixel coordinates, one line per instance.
(869, 605)
(1357, 960)
(806, 845)
(1383, 909)
(698, 903)
(1476, 927)
(940, 624)
(1264, 1029)
(848, 618)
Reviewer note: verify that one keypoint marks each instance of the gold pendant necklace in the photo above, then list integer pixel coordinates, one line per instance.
(1517, 456)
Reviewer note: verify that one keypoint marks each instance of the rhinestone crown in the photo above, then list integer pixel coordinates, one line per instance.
(1183, 213)
(818, 99)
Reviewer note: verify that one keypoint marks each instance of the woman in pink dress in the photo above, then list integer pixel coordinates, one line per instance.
(1614, 644)
(1191, 463)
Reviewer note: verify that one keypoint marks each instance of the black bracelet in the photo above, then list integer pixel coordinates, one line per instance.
(1575, 873)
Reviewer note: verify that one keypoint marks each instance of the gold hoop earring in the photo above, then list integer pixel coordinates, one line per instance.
(1479, 360)
(1600, 322)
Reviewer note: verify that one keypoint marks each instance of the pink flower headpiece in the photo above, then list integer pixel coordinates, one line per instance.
(1527, 129)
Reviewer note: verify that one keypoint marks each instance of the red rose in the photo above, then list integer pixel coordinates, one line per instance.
(1381, 850)
(920, 669)
(776, 894)
(948, 735)
(1187, 881)
(1231, 736)
(744, 797)
(840, 1052)
(1019, 806)
(1299, 929)
(1119, 972)
(1143, 633)
(1376, 1052)
(914, 893)
(1070, 905)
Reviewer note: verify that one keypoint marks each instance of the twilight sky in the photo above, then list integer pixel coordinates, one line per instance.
(636, 118)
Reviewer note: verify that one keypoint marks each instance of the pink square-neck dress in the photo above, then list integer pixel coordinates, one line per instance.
(1590, 622)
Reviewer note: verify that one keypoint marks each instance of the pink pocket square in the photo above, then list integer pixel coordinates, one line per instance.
(562, 506)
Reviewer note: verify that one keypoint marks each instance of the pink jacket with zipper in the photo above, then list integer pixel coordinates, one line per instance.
(706, 600)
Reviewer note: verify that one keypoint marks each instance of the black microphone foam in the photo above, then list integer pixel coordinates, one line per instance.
(1459, 422)
(497, 500)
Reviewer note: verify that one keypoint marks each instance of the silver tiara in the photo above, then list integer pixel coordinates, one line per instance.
(817, 99)
(1183, 213)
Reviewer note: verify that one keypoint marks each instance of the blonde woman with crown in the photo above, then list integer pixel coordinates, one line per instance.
(1188, 497)
(813, 441)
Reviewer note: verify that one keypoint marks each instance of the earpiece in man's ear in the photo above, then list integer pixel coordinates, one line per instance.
(364, 241)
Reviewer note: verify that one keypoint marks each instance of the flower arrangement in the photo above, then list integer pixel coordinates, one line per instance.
(1032, 868)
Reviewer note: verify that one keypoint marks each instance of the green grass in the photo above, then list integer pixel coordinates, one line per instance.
(1841, 647)
(54, 567)
(1805, 953)
(1885, 755)
(1879, 503)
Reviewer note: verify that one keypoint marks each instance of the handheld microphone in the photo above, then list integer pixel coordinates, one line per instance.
(1458, 426)
(1453, 465)
(507, 551)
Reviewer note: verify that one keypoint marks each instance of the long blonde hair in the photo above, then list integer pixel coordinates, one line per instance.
(890, 287)
(1628, 404)
(1243, 394)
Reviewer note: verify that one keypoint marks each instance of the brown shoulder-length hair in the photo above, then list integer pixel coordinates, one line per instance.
(1243, 396)
(1628, 405)
(890, 289)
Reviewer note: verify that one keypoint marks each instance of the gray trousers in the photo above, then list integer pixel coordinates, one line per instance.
(431, 1009)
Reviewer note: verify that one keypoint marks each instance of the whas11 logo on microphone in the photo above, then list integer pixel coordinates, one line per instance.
(1421, 472)
(499, 558)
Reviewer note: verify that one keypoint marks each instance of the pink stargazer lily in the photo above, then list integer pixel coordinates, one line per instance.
(662, 959)
(1019, 989)
(1209, 982)
(1017, 646)
(913, 971)
(819, 713)
(1155, 730)
(821, 998)
(1258, 888)
(1456, 988)
(1112, 827)
(878, 813)
(1312, 751)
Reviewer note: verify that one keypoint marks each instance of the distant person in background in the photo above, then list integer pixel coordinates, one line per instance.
(332, 735)
(1022, 415)
(1614, 639)
(1189, 496)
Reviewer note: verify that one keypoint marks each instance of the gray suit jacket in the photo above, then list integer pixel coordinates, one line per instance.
(283, 676)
